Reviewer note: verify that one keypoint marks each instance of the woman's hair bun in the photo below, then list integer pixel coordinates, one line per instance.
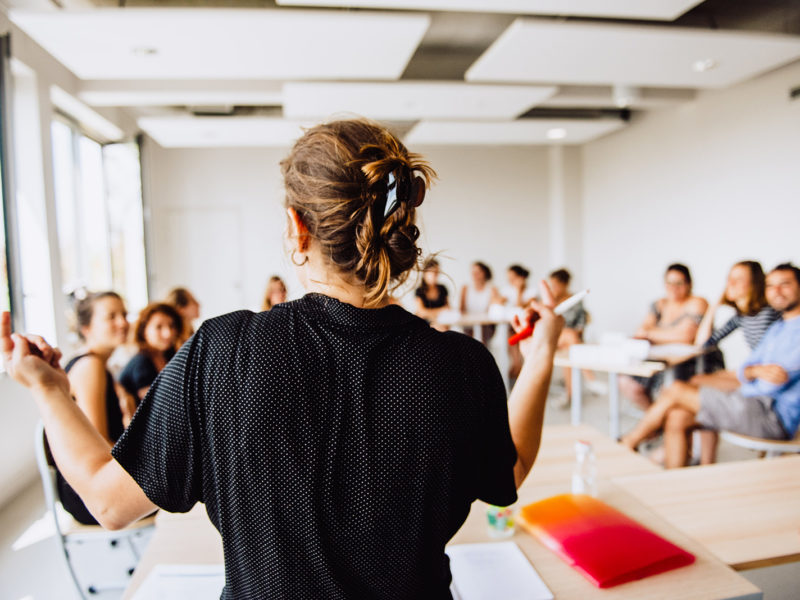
(356, 187)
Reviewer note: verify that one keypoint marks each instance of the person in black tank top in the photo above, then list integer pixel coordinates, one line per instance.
(103, 325)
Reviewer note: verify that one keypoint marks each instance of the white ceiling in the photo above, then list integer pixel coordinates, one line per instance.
(178, 92)
(410, 101)
(521, 132)
(534, 51)
(198, 43)
(210, 132)
(627, 9)
(315, 63)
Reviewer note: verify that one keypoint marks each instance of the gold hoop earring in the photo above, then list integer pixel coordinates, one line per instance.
(294, 260)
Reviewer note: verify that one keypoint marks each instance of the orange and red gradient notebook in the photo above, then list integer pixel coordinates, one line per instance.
(607, 547)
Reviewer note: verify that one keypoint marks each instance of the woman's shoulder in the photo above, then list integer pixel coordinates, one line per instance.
(85, 364)
(697, 304)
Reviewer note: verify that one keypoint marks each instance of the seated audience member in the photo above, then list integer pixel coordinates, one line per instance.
(476, 297)
(156, 335)
(744, 292)
(767, 405)
(673, 319)
(275, 294)
(574, 319)
(516, 295)
(103, 326)
(431, 296)
(188, 308)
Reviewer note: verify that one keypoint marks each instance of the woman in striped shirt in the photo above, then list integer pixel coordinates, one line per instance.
(745, 293)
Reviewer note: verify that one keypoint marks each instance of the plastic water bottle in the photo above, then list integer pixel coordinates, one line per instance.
(584, 477)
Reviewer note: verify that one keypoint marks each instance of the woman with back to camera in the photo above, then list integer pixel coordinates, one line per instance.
(673, 319)
(275, 293)
(476, 297)
(156, 335)
(377, 430)
(103, 326)
(188, 308)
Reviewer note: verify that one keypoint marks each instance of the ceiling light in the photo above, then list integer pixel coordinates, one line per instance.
(704, 64)
(556, 133)
(144, 51)
(626, 95)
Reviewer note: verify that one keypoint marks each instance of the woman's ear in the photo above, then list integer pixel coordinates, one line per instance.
(297, 229)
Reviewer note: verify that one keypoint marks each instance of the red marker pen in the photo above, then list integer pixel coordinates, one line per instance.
(559, 310)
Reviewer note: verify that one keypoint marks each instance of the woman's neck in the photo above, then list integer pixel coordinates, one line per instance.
(319, 280)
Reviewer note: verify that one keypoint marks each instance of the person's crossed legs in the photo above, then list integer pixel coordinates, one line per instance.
(674, 411)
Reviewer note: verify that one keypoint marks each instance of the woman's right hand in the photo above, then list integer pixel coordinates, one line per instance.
(547, 328)
(30, 360)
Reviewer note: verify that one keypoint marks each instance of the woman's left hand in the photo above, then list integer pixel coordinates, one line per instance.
(30, 360)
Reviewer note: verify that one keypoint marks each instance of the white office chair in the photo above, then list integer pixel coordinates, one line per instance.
(769, 448)
(98, 560)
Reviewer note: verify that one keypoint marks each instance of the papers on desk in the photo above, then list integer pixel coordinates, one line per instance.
(668, 351)
(183, 582)
(494, 570)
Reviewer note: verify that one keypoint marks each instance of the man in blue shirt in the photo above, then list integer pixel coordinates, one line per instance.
(767, 404)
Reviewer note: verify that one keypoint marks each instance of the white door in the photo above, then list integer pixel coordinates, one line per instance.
(205, 255)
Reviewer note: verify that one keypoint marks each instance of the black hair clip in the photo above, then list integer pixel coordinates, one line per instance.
(402, 189)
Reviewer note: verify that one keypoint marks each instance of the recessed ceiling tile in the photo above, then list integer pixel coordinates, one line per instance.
(524, 132)
(199, 43)
(624, 9)
(409, 101)
(533, 51)
(213, 132)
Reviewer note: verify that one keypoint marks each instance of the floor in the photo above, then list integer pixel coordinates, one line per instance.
(31, 567)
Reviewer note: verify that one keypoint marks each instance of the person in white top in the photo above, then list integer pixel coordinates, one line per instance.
(477, 297)
(516, 295)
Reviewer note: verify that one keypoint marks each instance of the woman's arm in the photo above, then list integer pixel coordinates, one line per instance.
(528, 399)
(685, 331)
(83, 456)
(463, 301)
(706, 325)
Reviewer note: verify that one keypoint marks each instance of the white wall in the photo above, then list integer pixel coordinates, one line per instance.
(707, 183)
(489, 204)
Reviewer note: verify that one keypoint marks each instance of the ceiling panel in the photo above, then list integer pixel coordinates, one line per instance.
(107, 92)
(197, 43)
(214, 132)
(510, 133)
(537, 51)
(630, 9)
(411, 101)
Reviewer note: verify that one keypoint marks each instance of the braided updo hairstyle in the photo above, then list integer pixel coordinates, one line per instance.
(337, 178)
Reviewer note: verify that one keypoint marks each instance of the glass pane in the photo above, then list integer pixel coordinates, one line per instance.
(93, 217)
(126, 223)
(66, 210)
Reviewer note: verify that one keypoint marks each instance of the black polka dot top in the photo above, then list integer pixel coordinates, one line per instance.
(337, 449)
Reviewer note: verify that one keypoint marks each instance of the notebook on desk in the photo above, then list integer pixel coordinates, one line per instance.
(603, 544)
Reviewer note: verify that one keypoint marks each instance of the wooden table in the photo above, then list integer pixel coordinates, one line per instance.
(646, 368)
(747, 513)
(707, 578)
(191, 539)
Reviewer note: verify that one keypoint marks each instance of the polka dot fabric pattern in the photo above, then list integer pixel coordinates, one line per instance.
(336, 449)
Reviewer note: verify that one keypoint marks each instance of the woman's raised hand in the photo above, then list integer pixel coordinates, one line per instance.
(548, 326)
(30, 360)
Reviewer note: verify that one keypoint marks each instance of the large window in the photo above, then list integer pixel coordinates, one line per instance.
(5, 296)
(99, 215)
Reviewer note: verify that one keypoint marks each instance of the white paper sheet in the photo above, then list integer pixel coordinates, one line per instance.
(183, 582)
(494, 570)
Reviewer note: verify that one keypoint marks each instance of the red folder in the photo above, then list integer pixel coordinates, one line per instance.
(607, 547)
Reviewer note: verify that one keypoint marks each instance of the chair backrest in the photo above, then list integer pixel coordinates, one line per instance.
(47, 471)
